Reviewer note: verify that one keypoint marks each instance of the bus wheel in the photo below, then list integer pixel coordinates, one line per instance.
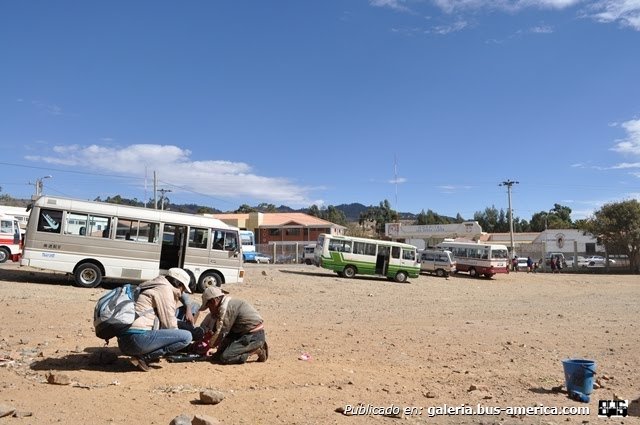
(473, 272)
(349, 272)
(88, 275)
(209, 279)
(307, 262)
(4, 255)
(401, 277)
(440, 273)
(193, 286)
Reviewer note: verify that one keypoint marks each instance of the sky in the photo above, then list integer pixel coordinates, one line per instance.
(429, 104)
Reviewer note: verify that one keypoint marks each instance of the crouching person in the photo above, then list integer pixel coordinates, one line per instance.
(155, 331)
(236, 327)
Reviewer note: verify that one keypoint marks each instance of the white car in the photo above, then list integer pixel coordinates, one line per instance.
(598, 261)
(582, 261)
(261, 258)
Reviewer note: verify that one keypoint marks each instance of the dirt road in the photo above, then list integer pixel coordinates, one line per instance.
(422, 345)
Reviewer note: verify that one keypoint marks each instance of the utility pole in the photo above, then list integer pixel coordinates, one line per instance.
(162, 192)
(39, 186)
(510, 183)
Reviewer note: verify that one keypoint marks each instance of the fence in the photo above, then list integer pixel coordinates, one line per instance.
(574, 261)
(283, 252)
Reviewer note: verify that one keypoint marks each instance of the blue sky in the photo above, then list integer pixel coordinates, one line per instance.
(429, 104)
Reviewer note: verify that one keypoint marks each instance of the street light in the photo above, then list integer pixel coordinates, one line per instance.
(510, 183)
(162, 192)
(39, 185)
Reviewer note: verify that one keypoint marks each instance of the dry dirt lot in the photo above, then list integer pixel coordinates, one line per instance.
(423, 344)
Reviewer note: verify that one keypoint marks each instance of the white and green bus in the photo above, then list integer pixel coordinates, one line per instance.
(93, 240)
(349, 256)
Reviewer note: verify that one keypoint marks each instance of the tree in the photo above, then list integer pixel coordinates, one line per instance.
(334, 215)
(314, 211)
(421, 219)
(488, 219)
(617, 225)
(267, 208)
(379, 216)
(559, 217)
(244, 209)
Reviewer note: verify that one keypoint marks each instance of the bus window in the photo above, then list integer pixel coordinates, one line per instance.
(395, 252)
(198, 237)
(138, 231)
(6, 226)
(148, 232)
(218, 240)
(408, 254)
(49, 221)
(230, 241)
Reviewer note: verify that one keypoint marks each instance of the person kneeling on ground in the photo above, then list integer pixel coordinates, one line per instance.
(236, 327)
(144, 340)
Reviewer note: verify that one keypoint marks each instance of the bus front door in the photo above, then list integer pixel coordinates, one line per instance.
(382, 260)
(173, 246)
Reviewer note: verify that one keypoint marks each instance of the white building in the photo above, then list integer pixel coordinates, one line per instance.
(425, 235)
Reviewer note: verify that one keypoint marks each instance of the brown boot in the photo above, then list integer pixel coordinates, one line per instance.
(263, 353)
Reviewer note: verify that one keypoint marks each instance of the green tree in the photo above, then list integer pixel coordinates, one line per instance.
(314, 211)
(421, 219)
(267, 208)
(379, 216)
(559, 217)
(617, 226)
(431, 217)
(334, 215)
(244, 209)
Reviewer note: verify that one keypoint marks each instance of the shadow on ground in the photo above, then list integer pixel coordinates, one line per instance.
(106, 359)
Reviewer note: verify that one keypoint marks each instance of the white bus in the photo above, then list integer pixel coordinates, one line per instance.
(478, 259)
(92, 240)
(10, 238)
(248, 241)
(349, 256)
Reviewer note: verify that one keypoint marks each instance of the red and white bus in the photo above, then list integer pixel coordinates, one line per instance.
(478, 259)
(10, 239)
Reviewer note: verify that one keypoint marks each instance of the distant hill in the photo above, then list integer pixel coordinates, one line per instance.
(351, 211)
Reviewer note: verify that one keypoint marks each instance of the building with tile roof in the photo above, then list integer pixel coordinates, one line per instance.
(282, 227)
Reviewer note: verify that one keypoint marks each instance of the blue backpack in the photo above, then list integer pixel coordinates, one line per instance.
(115, 311)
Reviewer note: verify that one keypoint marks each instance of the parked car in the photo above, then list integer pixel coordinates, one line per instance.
(436, 261)
(261, 258)
(522, 264)
(559, 256)
(285, 259)
(582, 261)
(598, 261)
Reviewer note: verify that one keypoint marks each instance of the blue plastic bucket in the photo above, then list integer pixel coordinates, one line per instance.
(579, 375)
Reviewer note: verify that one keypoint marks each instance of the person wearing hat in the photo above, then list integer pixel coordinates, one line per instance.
(236, 326)
(155, 331)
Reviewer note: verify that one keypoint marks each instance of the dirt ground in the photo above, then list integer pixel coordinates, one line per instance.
(425, 344)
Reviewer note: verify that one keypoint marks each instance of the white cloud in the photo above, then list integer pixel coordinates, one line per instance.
(626, 12)
(391, 4)
(174, 166)
(450, 6)
(49, 108)
(631, 143)
(626, 165)
(398, 180)
(446, 29)
(541, 29)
